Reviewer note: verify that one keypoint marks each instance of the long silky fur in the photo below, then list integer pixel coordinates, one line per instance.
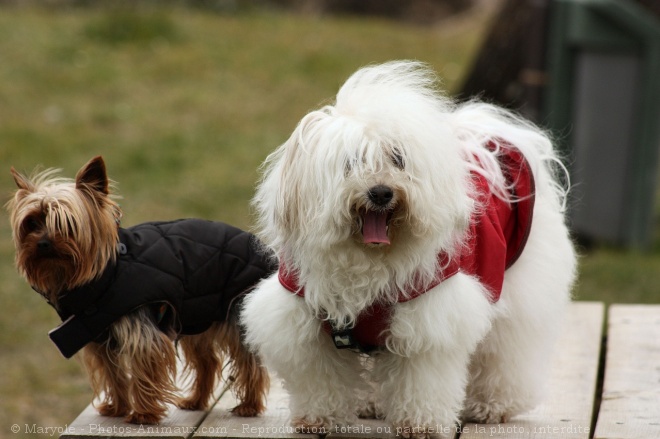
(132, 373)
(249, 378)
(135, 369)
(85, 220)
(450, 352)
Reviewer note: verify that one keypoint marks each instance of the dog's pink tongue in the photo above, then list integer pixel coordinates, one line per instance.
(374, 228)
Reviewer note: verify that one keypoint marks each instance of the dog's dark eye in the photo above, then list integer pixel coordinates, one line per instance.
(348, 166)
(397, 159)
(30, 224)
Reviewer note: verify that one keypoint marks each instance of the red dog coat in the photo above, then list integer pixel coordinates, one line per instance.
(498, 233)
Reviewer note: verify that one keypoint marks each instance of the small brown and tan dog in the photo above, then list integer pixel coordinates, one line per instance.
(126, 296)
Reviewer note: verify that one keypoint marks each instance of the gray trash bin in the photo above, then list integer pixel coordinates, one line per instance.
(603, 104)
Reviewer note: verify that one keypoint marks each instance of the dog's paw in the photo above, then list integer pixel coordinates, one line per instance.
(143, 418)
(370, 411)
(114, 410)
(191, 404)
(480, 412)
(409, 431)
(246, 410)
(311, 425)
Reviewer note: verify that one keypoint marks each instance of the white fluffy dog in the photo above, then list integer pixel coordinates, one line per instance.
(412, 228)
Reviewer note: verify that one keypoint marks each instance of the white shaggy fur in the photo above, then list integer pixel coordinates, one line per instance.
(450, 352)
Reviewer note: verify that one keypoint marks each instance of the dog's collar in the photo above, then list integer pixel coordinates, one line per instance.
(83, 299)
(367, 333)
(445, 269)
(73, 334)
(81, 296)
(121, 250)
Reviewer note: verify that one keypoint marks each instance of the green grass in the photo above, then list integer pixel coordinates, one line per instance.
(614, 276)
(184, 106)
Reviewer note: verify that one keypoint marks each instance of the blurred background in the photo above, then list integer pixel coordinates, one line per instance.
(184, 99)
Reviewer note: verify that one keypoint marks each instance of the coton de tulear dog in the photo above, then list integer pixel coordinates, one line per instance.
(425, 266)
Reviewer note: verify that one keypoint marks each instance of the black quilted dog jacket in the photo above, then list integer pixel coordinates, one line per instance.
(197, 268)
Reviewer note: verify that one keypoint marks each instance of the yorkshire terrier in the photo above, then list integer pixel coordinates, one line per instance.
(127, 296)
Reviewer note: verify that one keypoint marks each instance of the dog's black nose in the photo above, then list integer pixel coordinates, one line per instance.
(381, 195)
(44, 245)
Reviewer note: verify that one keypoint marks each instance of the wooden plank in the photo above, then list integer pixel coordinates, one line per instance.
(378, 429)
(177, 424)
(630, 406)
(180, 424)
(274, 423)
(363, 429)
(567, 410)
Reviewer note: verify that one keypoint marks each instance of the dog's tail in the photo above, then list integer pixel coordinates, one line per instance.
(479, 124)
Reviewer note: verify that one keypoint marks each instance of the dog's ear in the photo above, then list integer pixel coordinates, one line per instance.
(296, 172)
(285, 202)
(93, 176)
(22, 182)
(290, 176)
(25, 186)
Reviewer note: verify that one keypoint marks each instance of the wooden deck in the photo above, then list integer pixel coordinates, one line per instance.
(623, 403)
